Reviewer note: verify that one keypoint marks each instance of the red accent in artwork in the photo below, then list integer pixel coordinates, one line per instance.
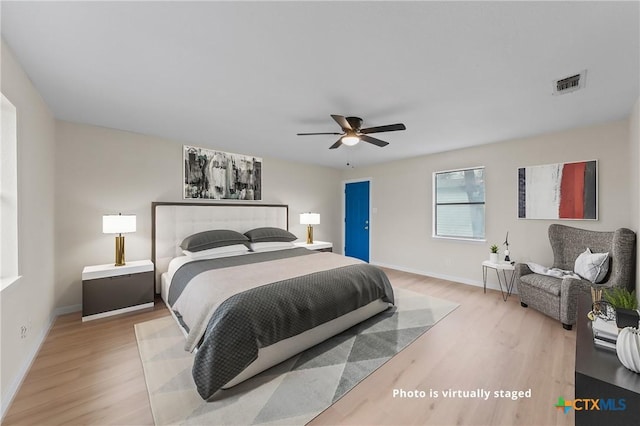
(572, 191)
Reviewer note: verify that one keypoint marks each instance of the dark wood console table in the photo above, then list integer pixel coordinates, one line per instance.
(599, 374)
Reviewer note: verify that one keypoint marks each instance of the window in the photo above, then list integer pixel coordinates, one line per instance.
(8, 197)
(459, 204)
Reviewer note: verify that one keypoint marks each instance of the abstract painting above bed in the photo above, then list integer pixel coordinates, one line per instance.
(218, 175)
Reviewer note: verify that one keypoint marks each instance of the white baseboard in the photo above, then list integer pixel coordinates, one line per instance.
(67, 310)
(9, 395)
(477, 283)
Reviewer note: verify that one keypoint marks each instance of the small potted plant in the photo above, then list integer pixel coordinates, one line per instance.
(493, 255)
(626, 306)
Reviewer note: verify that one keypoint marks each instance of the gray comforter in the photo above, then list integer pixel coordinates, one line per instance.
(269, 313)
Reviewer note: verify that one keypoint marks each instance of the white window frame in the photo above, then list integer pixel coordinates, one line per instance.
(435, 205)
(9, 273)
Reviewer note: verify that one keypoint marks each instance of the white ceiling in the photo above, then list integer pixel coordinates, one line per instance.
(246, 77)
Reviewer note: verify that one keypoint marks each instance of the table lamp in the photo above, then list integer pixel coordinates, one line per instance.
(310, 219)
(119, 224)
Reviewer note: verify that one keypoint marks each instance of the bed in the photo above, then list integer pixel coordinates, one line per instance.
(245, 297)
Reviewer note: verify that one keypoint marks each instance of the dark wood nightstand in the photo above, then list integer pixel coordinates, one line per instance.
(111, 290)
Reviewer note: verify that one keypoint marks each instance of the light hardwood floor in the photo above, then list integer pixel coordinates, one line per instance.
(90, 373)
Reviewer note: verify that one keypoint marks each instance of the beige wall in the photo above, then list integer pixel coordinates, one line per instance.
(101, 171)
(30, 301)
(402, 194)
(634, 193)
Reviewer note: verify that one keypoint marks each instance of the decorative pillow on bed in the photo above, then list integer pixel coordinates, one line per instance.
(592, 266)
(214, 253)
(212, 239)
(259, 235)
(271, 246)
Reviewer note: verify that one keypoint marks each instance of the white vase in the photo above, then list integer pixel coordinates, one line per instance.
(493, 257)
(628, 348)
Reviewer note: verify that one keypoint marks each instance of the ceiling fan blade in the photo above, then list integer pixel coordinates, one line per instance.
(374, 141)
(342, 121)
(387, 128)
(308, 134)
(337, 144)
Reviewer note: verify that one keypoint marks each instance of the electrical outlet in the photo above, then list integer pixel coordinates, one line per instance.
(23, 332)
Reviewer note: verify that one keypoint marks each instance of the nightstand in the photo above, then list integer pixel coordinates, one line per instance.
(111, 290)
(316, 245)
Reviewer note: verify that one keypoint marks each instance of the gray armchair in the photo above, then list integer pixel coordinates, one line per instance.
(557, 297)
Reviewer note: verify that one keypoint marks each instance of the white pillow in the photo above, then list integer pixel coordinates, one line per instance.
(271, 246)
(213, 253)
(592, 266)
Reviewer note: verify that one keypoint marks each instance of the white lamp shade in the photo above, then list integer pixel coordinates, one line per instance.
(310, 218)
(118, 223)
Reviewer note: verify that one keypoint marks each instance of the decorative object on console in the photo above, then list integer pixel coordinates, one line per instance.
(628, 348)
(605, 332)
(119, 224)
(506, 251)
(221, 175)
(626, 305)
(558, 191)
(627, 318)
(596, 299)
(493, 255)
(310, 219)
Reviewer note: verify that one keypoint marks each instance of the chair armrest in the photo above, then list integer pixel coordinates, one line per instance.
(570, 289)
(520, 270)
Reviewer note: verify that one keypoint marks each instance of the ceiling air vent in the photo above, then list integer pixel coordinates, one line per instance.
(570, 84)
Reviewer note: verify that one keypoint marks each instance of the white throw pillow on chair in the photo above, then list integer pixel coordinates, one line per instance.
(592, 266)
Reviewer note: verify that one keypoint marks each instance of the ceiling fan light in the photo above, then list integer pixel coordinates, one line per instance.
(350, 140)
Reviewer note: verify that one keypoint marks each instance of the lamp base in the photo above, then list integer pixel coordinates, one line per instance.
(309, 234)
(119, 251)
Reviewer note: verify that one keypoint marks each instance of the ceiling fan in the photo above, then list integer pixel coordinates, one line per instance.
(352, 132)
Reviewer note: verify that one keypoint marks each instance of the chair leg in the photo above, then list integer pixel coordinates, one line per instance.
(566, 326)
(524, 305)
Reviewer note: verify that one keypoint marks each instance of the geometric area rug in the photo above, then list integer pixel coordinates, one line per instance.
(292, 392)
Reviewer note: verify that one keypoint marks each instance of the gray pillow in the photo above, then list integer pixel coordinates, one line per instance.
(266, 234)
(212, 239)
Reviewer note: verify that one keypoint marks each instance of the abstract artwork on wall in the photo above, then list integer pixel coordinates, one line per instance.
(217, 175)
(558, 191)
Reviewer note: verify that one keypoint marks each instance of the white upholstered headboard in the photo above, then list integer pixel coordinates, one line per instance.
(173, 222)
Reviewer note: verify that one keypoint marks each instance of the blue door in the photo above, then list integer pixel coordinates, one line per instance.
(356, 221)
